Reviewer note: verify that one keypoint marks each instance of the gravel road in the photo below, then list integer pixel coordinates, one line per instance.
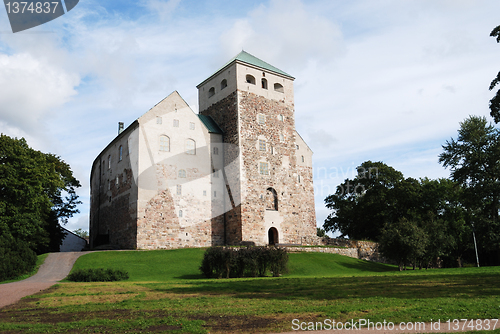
(55, 268)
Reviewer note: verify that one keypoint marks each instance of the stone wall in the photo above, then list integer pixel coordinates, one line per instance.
(366, 250)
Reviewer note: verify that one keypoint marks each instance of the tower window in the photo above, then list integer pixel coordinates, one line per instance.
(280, 117)
(282, 138)
(158, 120)
(261, 119)
(179, 189)
(264, 83)
(211, 92)
(176, 123)
(164, 144)
(216, 173)
(271, 199)
(263, 168)
(262, 145)
(109, 161)
(190, 146)
(182, 173)
(223, 84)
(216, 151)
(250, 79)
(120, 153)
(191, 126)
(302, 158)
(180, 213)
(279, 88)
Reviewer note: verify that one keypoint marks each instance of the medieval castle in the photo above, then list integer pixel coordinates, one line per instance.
(236, 173)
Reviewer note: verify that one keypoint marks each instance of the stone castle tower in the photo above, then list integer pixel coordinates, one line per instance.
(236, 173)
(272, 200)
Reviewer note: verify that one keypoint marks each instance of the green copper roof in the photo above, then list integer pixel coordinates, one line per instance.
(210, 124)
(245, 57)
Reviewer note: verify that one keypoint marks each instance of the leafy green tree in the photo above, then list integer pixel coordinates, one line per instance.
(363, 205)
(473, 160)
(320, 232)
(81, 233)
(403, 241)
(495, 101)
(37, 191)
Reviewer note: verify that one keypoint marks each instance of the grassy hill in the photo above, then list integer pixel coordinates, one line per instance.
(168, 265)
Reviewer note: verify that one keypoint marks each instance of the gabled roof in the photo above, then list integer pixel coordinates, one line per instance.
(246, 58)
(210, 124)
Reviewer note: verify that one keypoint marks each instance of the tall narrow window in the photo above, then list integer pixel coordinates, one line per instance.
(211, 92)
(120, 153)
(216, 151)
(223, 84)
(261, 119)
(158, 120)
(262, 145)
(190, 146)
(216, 173)
(179, 189)
(176, 123)
(271, 199)
(264, 168)
(182, 173)
(109, 161)
(264, 83)
(180, 213)
(164, 144)
(302, 158)
(282, 138)
(191, 126)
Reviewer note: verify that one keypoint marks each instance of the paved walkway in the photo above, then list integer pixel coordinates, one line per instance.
(55, 268)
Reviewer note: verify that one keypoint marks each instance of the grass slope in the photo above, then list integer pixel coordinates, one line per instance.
(166, 294)
(170, 265)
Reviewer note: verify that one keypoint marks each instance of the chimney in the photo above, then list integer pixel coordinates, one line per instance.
(120, 127)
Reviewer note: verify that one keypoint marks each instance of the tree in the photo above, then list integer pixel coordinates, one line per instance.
(363, 205)
(81, 233)
(473, 160)
(404, 242)
(37, 191)
(495, 101)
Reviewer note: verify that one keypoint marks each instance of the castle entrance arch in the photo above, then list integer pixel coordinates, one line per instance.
(273, 236)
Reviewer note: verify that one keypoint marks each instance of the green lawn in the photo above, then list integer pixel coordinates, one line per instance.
(166, 294)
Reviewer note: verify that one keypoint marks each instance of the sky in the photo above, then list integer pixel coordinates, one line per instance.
(379, 80)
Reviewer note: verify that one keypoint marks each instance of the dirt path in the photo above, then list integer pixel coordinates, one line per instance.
(55, 268)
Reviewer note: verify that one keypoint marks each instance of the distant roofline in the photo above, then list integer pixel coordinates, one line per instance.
(247, 59)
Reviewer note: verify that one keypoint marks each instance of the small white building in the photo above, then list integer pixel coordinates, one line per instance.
(72, 242)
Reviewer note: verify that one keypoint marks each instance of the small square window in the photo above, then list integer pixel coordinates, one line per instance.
(262, 119)
(158, 120)
(264, 168)
(216, 151)
(297, 146)
(179, 189)
(262, 145)
(176, 123)
(216, 173)
(191, 126)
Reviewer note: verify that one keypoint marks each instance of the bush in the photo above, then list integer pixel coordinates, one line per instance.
(98, 275)
(16, 258)
(228, 262)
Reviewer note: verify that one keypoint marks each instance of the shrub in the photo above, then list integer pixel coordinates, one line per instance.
(16, 258)
(243, 262)
(98, 275)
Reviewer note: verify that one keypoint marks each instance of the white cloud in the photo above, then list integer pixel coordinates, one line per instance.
(31, 90)
(285, 33)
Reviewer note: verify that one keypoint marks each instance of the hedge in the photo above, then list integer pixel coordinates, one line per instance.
(229, 262)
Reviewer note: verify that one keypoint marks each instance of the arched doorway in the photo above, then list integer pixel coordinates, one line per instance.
(273, 236)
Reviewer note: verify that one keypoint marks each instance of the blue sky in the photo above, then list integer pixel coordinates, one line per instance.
(380, 80)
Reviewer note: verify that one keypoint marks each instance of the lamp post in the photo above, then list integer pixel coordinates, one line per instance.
(475, 244)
